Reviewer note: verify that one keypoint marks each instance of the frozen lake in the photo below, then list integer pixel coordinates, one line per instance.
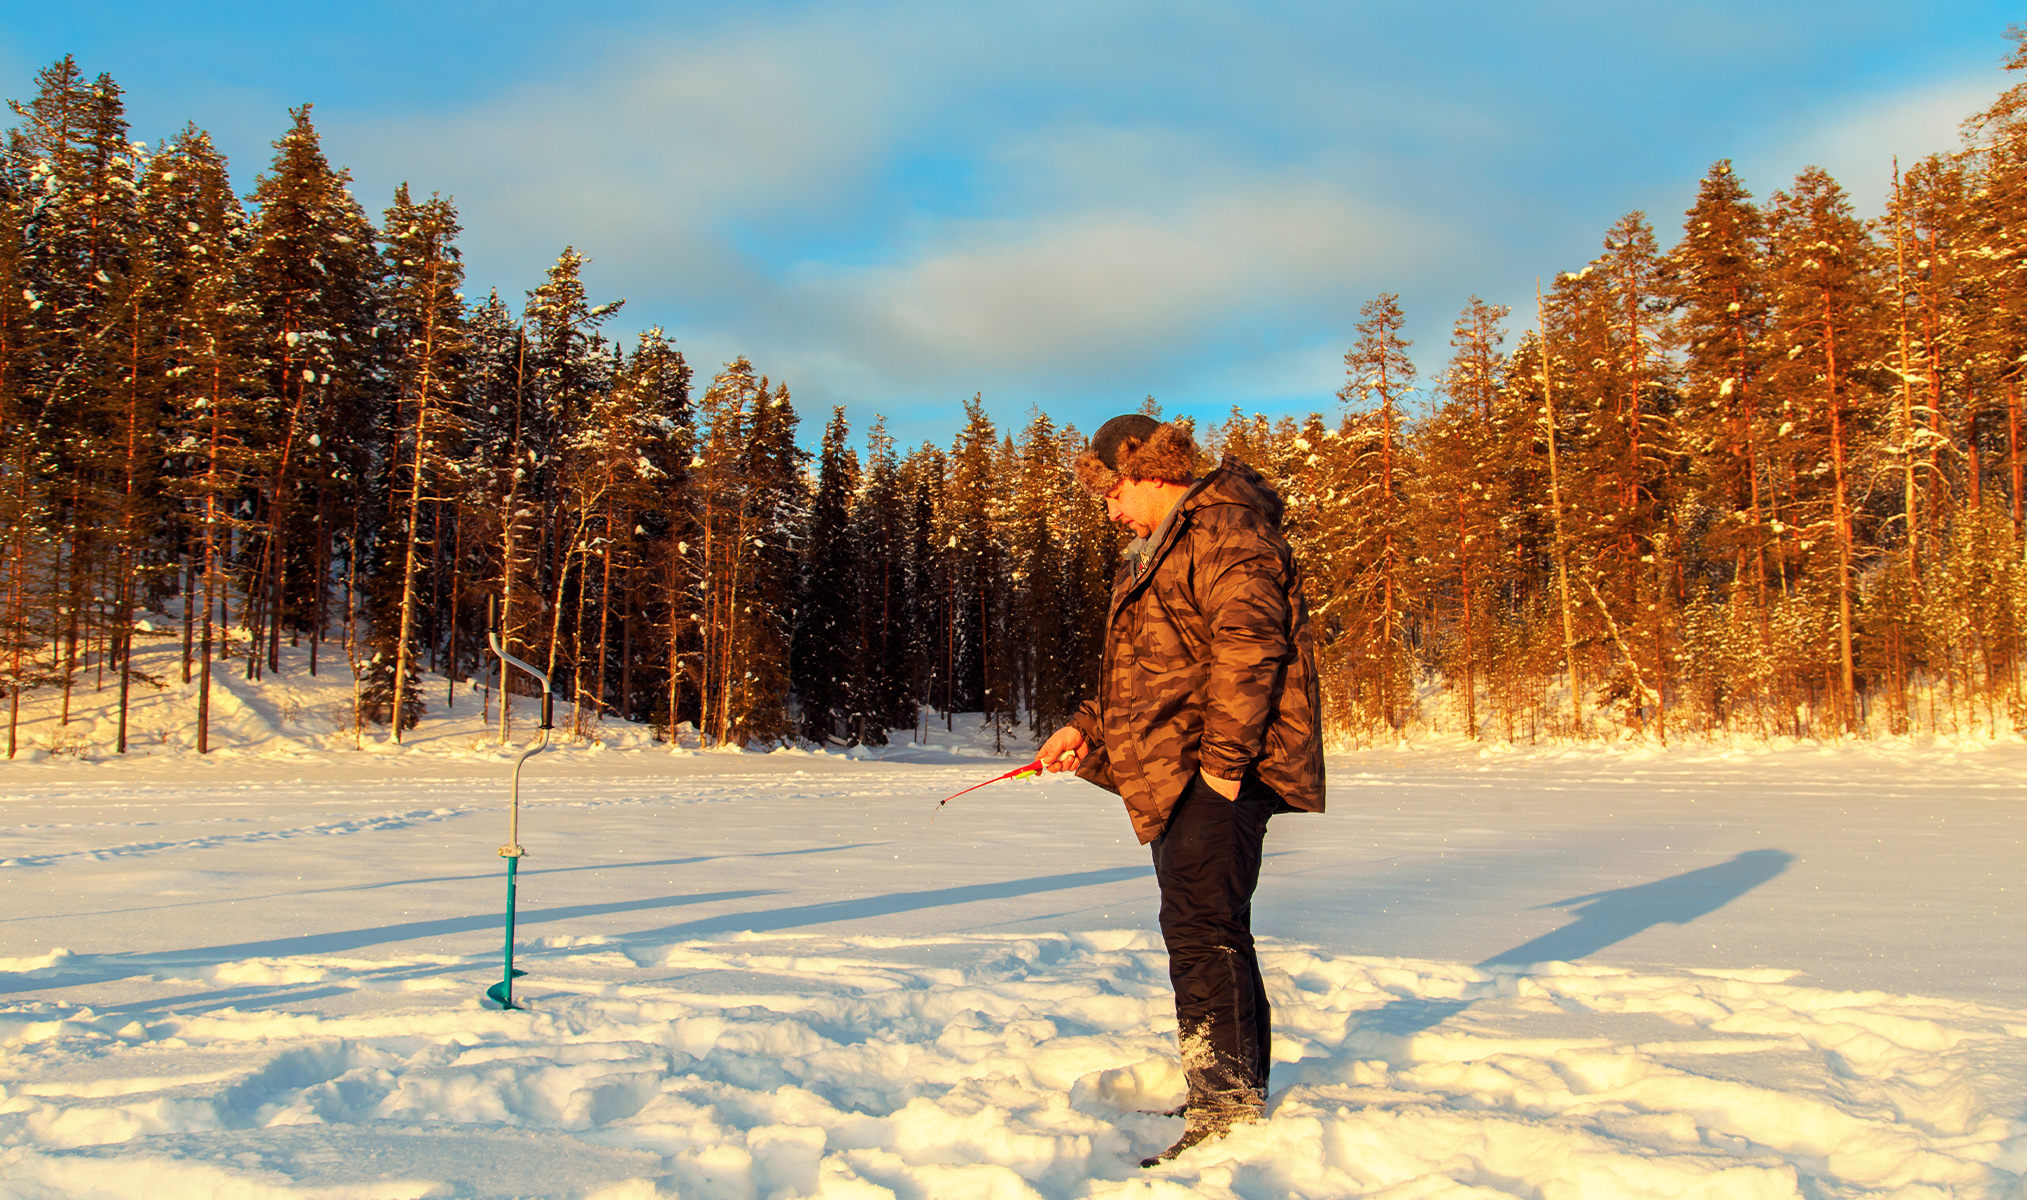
(1583, 972)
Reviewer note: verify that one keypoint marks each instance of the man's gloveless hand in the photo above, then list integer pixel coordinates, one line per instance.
(1064, 750)
(1228, 788)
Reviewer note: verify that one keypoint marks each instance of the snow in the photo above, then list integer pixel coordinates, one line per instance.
(1572, 972)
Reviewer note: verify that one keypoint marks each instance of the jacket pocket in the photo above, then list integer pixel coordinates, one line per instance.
(1168, 709)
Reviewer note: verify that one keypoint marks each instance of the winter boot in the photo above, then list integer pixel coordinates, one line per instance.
(1202, 1123)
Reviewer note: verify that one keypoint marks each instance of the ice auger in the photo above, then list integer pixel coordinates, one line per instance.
(503, 991)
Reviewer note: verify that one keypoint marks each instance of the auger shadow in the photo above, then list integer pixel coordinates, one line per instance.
(1603, 919)
(801, 915)
(527, 873)
(125, 966)
(354, 939)
(112, 968)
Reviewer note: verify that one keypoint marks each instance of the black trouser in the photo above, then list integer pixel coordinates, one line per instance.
(1208, 862)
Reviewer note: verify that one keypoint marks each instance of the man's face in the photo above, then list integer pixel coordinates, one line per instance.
(1139, 504)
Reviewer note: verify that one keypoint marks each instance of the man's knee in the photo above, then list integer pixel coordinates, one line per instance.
(1220, 976)
(1219, 927)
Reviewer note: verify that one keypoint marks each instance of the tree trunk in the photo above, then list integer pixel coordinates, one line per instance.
(1562, 570)
(1470, 658)
(2013, 450)
(457, 557)
(408, 555)
(189, 608)
(1847, 679)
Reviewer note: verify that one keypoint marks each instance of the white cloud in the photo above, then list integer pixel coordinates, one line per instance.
(1857, 143)
(648, 156)
(1093, 249)
(1073, 290)
(888, 201)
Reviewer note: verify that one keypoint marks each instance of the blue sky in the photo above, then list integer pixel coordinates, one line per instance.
(891, 206)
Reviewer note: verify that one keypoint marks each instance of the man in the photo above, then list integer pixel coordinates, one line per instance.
(1206, 724)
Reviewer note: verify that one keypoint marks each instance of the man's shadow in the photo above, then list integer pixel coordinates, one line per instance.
(1603, 918)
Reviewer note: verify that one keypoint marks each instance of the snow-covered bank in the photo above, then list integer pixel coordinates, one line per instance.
(1787, 972)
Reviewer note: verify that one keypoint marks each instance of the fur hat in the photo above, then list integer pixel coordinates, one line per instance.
(1137, 446)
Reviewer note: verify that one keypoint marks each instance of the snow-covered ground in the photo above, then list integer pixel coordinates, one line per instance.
(1590, 973)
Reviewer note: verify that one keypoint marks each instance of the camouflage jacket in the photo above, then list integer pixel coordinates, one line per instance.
(1208, 659)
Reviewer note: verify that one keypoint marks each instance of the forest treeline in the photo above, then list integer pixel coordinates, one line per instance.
(1768, 481)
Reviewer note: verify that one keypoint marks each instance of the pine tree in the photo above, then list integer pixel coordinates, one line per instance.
(424, 311)
(71, 158)
(24, 500)
(494, 511)
(1716, 283)
(1997, 152)
(1614, 475)
(313, 274)
(1828, 342)
(208, 367)
(1375, 529)
(1632, 536)
(1544, 422)
(147, 296)
(723, 547)
(1462, 501)
(748, 487)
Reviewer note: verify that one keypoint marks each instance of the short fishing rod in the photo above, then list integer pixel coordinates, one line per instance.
(1034, 768)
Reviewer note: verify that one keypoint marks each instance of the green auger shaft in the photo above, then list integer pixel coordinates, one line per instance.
(506, 988)
(503, 991)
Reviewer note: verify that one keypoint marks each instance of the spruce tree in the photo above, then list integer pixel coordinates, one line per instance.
(774, 512)
(566, 367)
(610, 483)
(974, 562)
(828, 661)
(1091, 547)
(889, 651)
(930, 580)
(659, 379)
(1041, 530)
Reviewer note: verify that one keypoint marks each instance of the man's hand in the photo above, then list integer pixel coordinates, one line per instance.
(1228, 788)
(1064, 750)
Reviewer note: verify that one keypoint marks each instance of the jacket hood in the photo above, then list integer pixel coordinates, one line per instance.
(1233, 482)
(1236, 483)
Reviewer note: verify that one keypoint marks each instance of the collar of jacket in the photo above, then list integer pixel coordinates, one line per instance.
(1143, 553)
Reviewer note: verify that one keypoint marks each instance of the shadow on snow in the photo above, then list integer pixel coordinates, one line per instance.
(1603, 919)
